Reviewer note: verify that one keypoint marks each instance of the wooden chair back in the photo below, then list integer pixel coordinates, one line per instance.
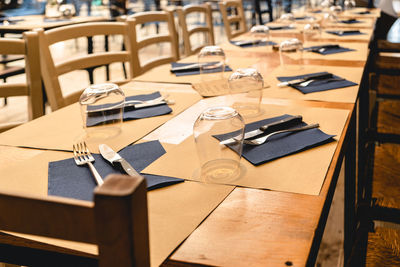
(148, 17)
(32, 88)
(117, 221)
(51, 70)
(207, 29)
(233, 17)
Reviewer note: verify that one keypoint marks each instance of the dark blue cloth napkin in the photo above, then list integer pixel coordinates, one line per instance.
(350, 21)
(275, 28)
(345, 33)
(303, 18)
(362, 12)
(55, 20)
(318, 85)
(264, 43)
(130, 113)
(194, 71)
(66, 179)
(280, 145)
(328, 50)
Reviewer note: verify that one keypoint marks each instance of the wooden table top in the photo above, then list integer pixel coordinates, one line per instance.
(250, 226)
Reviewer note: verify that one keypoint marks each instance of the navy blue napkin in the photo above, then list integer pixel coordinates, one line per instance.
(350, 21)
(346, 33)
(303, 18)
(130, 113)
(316, 11)
(275, 28)
(66, 179)
(318, 85)
(363, 12)
(55, 20)
(264, 43)
(192, 71)
(328, 50)
(280, 145)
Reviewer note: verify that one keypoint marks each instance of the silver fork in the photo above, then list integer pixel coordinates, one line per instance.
(262, 140)
(83, 156)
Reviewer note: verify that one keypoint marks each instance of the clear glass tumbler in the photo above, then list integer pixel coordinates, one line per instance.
(260, 33)
(219, 163)
(291, 54)
(212, 63)
(246, 87)
(102, 107)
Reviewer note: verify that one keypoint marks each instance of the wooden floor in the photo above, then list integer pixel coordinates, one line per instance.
(331, 247)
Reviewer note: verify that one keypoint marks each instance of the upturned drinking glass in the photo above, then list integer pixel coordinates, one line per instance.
(212, 63)
(246, 89)
(102, 107)
(219, 163)
(291, 54)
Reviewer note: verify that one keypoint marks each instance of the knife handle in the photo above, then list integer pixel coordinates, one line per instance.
(282, 123)
(128, 168)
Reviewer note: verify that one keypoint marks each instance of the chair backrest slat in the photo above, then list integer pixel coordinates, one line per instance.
(143, 18)
(208, 29)
(87, 61)
(233, 16)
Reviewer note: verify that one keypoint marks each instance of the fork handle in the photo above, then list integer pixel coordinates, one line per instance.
(96, 175)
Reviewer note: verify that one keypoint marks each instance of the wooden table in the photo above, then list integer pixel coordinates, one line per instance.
(250, 226)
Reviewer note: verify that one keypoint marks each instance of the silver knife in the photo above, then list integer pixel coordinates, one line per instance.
(310, 77)
(113, 157)
(261, 130)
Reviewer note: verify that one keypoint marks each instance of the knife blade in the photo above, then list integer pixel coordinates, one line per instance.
(310, 77)
(276, 125)
(113, 157)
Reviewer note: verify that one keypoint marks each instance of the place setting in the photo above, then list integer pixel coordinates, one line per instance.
(221, 137)
(87, 170)
(328, 49)
(314, 82)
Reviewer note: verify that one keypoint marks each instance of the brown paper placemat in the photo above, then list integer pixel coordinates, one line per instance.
(303, 172)
(174, 211)
(346, 95)
(163, 73)
(60, 129)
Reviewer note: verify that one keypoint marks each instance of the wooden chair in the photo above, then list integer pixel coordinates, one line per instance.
(32, 88)
(149, 17)
(51, 70)
(116, 222)
(233, 18)
(207, 29)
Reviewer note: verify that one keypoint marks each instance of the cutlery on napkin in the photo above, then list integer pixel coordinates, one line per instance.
(317, 76)
(282, 144)
(182, 69)
(344, 33)
(136, 111)
(250, 43)
(78, 183)
(328, 49)
(310, 85)
(266, 129)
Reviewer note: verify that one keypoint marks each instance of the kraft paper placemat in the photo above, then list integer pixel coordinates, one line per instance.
(60, 129)
(163, 73)
(346, 95)
(303, 172)
(360, 53)
(174, 211)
